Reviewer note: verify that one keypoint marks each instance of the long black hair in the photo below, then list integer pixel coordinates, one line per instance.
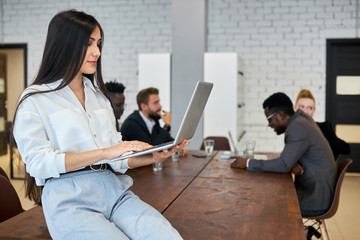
(65, 49)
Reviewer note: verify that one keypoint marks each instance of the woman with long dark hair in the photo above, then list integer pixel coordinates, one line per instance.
(65, 130)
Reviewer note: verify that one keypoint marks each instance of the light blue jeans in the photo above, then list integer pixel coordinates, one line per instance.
(98, 205)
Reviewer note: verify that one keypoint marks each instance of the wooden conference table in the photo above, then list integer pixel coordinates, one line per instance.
(203, 198)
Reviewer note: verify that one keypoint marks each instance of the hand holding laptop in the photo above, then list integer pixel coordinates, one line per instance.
(164, 154)
(127, 147)
(156, 157)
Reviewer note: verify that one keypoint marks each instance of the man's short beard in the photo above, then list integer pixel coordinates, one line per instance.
(154, 116)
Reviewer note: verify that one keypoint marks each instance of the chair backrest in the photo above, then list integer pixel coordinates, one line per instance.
(10, 204)
(3, 173)
(335, 202)
(221, 143)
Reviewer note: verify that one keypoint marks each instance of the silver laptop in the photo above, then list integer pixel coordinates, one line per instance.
(188, 125)
(232, 141)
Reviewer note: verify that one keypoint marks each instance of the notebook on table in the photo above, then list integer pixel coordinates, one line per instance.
(189, 122)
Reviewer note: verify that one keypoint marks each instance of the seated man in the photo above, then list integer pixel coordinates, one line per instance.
(117, 98)
(304, 144)
(143, 125)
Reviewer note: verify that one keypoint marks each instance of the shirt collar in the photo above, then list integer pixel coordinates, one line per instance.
(149, 123)
(86, 81)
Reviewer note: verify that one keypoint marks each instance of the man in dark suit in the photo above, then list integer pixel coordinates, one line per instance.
(143, 125)
(305, 145)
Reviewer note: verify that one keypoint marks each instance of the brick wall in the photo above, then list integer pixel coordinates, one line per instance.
(130, 27)
(282, 43)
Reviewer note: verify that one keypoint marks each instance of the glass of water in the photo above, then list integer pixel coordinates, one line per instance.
(209, 146)
(176, 156)
(249, 148)
(157, 167)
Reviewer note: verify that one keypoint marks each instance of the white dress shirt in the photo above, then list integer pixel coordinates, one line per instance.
(48, 125)
(149, 123)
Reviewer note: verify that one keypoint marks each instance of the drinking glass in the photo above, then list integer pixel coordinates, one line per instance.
(157, 167)
(176, 156)
(209, 146)
(249, 148)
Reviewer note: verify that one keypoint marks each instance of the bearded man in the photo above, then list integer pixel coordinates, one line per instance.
(143, 124)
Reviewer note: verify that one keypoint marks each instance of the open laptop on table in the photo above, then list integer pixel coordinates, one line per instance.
(189, 122)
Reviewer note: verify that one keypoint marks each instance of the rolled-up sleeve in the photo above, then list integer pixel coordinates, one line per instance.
(41, 159)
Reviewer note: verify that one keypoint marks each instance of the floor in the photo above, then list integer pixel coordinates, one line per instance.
(345, 225)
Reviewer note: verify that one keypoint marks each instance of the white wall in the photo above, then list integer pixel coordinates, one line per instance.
(155, 71)
(282, 43)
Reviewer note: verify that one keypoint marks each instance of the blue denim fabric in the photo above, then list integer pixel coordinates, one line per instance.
(98, 205)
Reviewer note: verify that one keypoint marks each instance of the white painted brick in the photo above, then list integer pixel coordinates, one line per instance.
(280, 23)
(306, 16)
(265, 42)
(263, 11)
(271, 4)
(338, 33)
(305, 3)
(287, 3)
(322, 3)
(315, 9)
(298, 10)
(303, 42)
(343, 15)
(284, 29)
(289, 17)
(333, 9)
(350, 8)
(285, 55)
(269, 30)
(315, 22)
(330, 23)
(282, 43)
(255, 17)
(349, 22)
(264, 23)
(275, 36)
(253, 4)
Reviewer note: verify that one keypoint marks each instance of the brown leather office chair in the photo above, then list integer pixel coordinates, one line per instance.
(3, 173)
(320, 220)
(221, 143)
(10, 204)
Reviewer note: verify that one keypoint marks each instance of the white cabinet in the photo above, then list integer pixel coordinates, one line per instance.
(154, 71)
(224, 111)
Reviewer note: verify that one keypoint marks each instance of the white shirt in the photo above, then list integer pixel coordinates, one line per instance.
(149, 123)
(48, 125)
